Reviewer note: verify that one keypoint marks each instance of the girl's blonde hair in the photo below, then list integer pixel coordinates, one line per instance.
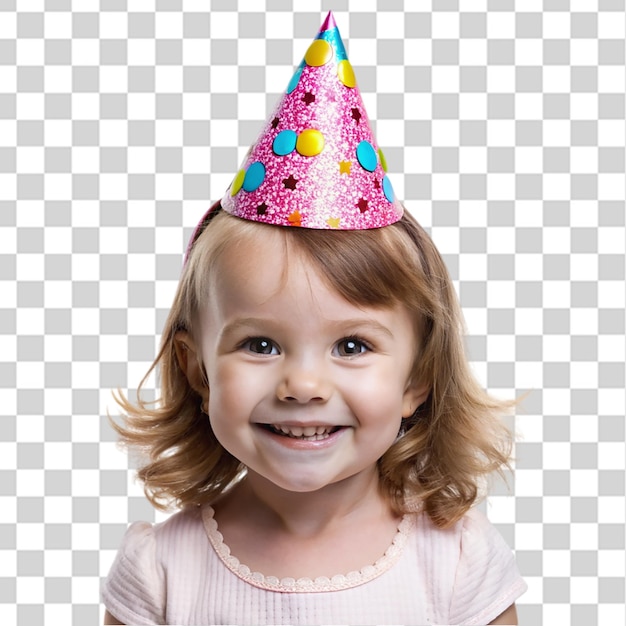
(454, 440)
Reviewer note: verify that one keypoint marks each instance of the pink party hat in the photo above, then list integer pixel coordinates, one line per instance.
(316, 163)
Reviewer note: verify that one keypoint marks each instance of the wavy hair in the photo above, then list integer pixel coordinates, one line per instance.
(452, 443)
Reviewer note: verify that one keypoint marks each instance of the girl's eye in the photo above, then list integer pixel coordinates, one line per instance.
(351, 346)
(261, 345)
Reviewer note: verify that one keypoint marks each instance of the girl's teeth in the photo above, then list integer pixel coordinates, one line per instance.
(314, 433)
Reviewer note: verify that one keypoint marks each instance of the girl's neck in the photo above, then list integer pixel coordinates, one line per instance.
(310, 514)
(338, 529)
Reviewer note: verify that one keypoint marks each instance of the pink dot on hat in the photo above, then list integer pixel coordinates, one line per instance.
(319, 53)
(310, 142)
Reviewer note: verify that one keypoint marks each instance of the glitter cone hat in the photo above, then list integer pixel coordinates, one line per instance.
(316, 163)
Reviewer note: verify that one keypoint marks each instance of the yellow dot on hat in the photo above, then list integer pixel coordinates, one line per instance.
(319, 53)
(238, 182)
(310, 142)
(383, 160)
(346, 73)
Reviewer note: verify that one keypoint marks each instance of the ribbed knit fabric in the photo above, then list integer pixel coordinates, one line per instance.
(180, 572)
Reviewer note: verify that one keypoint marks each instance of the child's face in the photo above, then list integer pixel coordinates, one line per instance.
(305, 388)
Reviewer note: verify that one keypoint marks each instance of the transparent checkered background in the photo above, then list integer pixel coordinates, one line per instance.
(503, 125)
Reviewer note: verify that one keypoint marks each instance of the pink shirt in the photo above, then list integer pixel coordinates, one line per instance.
(181, 572)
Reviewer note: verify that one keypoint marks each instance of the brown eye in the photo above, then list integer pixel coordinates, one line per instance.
(261, 345)
(351, 346)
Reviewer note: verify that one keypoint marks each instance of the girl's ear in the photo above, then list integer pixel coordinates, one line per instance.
(189, 361)
(414, 396)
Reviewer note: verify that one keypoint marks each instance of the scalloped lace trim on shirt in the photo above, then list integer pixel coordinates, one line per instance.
(322, 583)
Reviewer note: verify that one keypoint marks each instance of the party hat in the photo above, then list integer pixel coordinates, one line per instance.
(316, 163)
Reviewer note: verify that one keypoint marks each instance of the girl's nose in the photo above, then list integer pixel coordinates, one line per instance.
(303, 383)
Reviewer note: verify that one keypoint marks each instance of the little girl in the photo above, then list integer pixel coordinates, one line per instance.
(318, 426)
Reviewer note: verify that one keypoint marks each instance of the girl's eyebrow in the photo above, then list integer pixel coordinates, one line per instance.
(248, 322)
(346, 326)
(365, 324)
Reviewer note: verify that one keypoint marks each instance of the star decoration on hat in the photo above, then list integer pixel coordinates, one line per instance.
(344, 167)
(295, 218)
(291, 182)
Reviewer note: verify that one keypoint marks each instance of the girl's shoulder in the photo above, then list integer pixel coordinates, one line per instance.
(472, 562)
(136, 587)
(183, 521)
(481, 544)
(181, 536)
(153, 546)
(473, 529)
(469, 545)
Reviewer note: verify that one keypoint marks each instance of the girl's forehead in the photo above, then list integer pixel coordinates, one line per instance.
(367, 268)
(297, 301)
(266, 264)
(269, 273)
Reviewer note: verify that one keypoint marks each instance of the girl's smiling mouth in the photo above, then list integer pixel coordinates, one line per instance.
(308, 436)
(303, 433)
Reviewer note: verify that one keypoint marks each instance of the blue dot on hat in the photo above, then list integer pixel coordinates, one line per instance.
(388, 189)
(254, 177)
(285, 142)
(295, 79)
(366, 155)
